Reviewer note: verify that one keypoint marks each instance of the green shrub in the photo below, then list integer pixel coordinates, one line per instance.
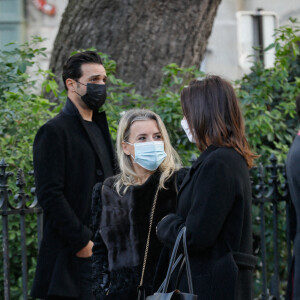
(268, 97)
(22, 111)
(268, 102)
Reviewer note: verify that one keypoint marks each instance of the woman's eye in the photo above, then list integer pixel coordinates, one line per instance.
(158, 137)
(141, 138)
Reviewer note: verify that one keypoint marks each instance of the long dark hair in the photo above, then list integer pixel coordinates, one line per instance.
(214, 115)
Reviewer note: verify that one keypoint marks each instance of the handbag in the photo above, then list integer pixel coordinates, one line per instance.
(141, 289)
(162, 294)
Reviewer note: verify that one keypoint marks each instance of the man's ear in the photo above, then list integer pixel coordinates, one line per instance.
(125, 148)
(70, 83)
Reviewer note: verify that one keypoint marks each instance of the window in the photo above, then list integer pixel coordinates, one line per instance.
(255, 30)
(11, 21)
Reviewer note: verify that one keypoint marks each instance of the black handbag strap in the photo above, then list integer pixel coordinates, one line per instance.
(181, 235)
(179, 273)
(187, 263)
(173, 268)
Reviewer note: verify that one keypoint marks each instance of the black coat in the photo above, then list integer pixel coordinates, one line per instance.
(122, 224)
(67, 165)
(293, 175)
(214, 203)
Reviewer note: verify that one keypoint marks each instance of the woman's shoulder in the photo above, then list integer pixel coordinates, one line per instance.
(98, 187)
(110, 181)
(179, 176)
(226, 154)
(176, 179)
(226, 158)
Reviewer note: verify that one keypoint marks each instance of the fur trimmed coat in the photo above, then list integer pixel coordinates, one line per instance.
(121, 225)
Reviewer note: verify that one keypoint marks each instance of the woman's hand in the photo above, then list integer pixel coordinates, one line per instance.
(86, 251)
(168, 228)
(159, 222)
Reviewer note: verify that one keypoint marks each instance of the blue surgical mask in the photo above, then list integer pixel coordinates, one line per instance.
(149, 155)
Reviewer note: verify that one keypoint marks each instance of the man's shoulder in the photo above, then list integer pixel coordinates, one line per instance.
(55, 120)
(294, 152)
(53, 127)
(296, 142)
(59, 122)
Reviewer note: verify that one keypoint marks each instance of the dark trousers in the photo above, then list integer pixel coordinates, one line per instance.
(85, 281)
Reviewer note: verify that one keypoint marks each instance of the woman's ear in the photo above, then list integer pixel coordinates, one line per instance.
(125, 148)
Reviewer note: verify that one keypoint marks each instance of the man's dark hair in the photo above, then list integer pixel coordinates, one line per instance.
(298, 106)
(72, 68)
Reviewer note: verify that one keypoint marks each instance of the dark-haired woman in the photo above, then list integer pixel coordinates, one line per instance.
(214, 201)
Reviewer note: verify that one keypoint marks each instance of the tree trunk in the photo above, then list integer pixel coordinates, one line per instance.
(142, 36)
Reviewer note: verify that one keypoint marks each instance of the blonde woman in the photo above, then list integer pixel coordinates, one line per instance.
(124, 205)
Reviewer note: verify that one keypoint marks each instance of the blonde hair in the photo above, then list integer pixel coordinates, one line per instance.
(127, 175)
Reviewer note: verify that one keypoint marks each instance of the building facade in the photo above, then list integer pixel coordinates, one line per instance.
(222, 55)
(20, 19)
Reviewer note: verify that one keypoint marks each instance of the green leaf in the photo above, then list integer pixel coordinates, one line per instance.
(269, 47)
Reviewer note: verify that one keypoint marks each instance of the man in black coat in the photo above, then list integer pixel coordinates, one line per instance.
(293, 175)
(71, 153)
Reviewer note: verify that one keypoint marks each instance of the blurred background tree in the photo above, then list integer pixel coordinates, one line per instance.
(142, 36)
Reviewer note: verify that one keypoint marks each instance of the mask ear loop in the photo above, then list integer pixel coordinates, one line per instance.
(80, 83)
(129, 152)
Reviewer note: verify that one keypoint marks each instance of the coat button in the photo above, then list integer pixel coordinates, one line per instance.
(99, 172)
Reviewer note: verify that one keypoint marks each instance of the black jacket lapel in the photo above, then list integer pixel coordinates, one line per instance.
(101, 121)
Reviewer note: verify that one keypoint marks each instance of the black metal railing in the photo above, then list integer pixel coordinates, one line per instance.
(270, 195)
(21, 207)
(270, 190)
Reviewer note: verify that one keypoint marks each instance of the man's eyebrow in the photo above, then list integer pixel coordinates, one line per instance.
(97, 75)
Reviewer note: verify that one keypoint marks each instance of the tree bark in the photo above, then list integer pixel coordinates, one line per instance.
(142, 36)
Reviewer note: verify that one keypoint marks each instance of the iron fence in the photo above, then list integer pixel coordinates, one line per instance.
(270, 191)
(22, 206)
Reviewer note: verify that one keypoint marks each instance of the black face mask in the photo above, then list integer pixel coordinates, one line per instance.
(95, 95)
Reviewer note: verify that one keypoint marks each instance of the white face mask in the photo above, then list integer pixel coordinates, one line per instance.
(186, 128)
